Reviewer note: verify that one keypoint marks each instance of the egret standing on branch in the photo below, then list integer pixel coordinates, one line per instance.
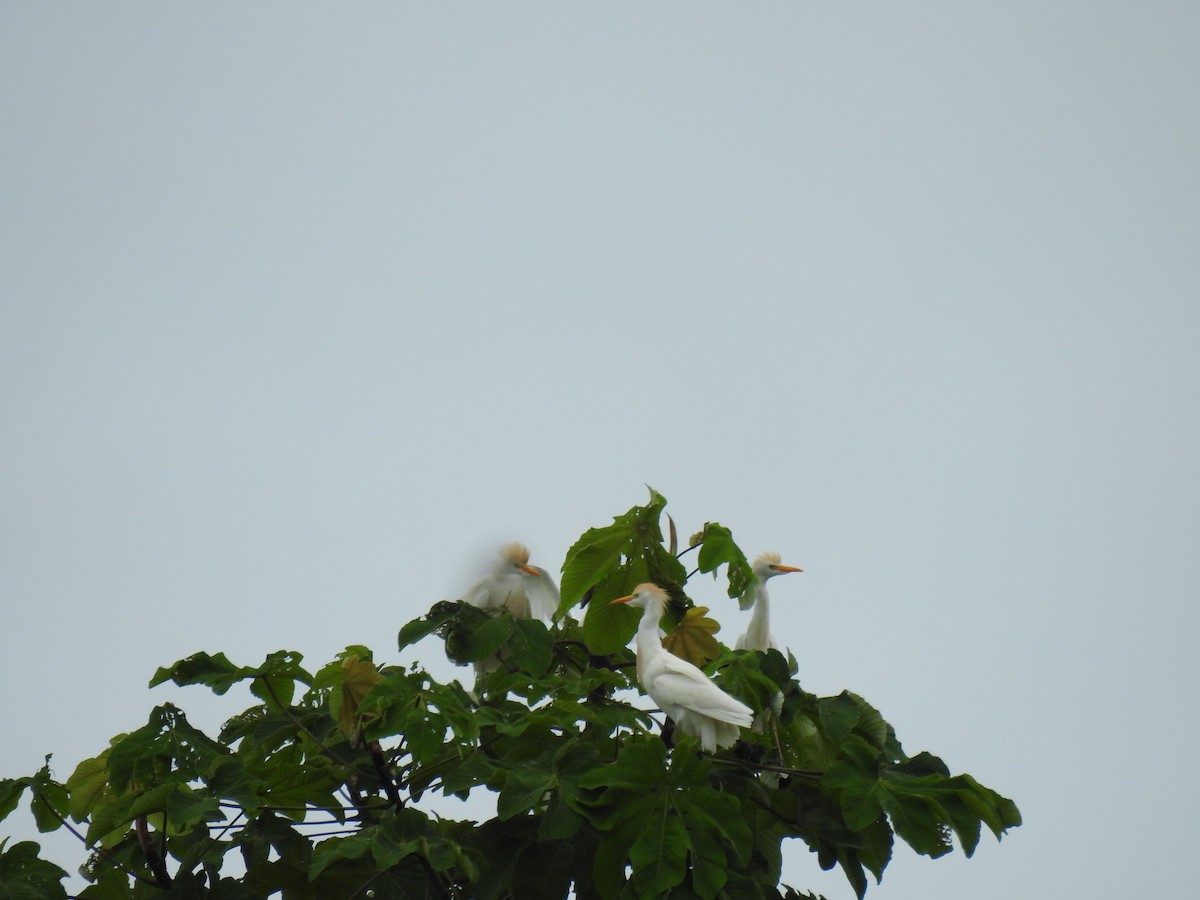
(522, 589)
(758, 635)
(681, 690)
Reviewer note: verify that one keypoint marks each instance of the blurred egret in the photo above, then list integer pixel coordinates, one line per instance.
(522, 589)
(681, 690)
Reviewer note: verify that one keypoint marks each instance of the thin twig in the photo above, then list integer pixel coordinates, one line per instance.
(381, 769)
(99, 851)
(162, 878)
(769, 767)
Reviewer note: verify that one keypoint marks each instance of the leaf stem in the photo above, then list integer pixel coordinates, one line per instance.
(99, 851)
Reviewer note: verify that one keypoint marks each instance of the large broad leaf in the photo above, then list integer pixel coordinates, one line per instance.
(215, 671)
(50, 802)
(87, 784)
(11, 790)
(717, 548)
(693, 638)
(167, 747)
(526, 785)
(302, 783)
(359, 676)
(474, 634)
(664, 821)
(544, 870)
(25, 876)
(920, 798)
(530, 646)
(275, 680)
(607, 627)
(602, 551)
(441, 613)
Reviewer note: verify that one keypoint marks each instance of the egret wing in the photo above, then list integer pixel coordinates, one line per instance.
(480, 594)
(542, 593)
(675, 682)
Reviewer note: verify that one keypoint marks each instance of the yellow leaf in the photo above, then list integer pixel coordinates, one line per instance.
(358, 677)
(693, 638)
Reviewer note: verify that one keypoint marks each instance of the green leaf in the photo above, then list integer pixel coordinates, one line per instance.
(476, 769)
(592, 559)
(167, 747)
(523, 789)
(489, 637)
(716, 549)
(631, 547)
(231, 780)
(87, 784)
(658, 817)
(530, 646)
(49, 802)
(11, 790)
(607, 628)
(658, 853)
(478, 634)
(217, 672)
(838, 716)
(923, 803)
(328, 852)
(441, 613)
(312, 784)
(741, 675)
(25, 876)
(544, 871)
(638, 766)
(275, 680)
(559, 821)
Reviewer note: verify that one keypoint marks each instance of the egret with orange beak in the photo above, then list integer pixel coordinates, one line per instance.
(758, 635)
(681, 690)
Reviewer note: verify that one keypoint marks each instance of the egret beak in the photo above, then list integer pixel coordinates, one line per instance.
(531, 570)
(786, 569)
(623, 599)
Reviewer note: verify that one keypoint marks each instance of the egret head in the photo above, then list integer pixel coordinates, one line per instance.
(516, 555)
(644, 595)
(767, 566)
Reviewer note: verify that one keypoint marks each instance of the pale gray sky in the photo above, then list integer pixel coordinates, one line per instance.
(305, 308)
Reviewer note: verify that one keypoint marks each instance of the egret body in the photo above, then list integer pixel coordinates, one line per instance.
(681, 690)
(758, 635)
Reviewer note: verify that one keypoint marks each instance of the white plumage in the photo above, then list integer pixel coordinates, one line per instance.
(758, 635)
(681, 690)
(524, 590)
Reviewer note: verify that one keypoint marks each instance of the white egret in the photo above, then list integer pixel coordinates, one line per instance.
(681, 690)
(758, 635)
(522, 589)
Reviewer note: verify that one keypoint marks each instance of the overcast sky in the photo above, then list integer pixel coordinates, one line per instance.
(307, 308)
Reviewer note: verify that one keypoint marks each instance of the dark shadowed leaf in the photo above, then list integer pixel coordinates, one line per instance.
(441, 613)
(24, 875)
(717, 548)
(530, 646)
(215, 671)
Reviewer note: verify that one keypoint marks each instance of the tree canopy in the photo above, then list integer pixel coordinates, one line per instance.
(322, 788)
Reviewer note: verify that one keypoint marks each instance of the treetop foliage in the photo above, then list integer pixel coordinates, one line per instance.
(322, 788)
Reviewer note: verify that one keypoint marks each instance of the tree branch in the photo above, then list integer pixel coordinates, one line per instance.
(99, 851)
